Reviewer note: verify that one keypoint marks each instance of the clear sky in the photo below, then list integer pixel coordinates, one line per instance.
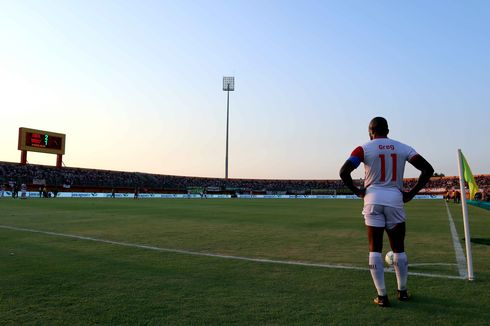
(137, 85)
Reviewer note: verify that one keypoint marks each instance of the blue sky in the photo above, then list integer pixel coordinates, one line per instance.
(136, 85)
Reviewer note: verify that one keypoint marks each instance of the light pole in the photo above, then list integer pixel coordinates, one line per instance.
(228, 86)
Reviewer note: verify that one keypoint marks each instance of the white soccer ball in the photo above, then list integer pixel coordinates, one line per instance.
(389, 258)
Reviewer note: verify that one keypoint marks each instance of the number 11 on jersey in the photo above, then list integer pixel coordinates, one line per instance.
(383, 167)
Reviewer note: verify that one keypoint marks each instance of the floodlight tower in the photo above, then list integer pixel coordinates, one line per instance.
(228, 86)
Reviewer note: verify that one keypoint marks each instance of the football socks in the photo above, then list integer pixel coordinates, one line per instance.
(377, 272)
(400, 263)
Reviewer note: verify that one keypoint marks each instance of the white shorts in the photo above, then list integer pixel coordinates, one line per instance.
(383, 216)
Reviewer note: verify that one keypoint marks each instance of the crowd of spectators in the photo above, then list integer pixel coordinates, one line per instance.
(66, 176)
(77, 177)
(449, 183)
(179, 182)
(32, 174)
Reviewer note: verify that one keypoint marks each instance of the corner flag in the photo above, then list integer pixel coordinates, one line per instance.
(468, 177)
(465, 174)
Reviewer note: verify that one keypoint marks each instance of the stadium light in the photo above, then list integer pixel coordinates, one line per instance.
(228, 86)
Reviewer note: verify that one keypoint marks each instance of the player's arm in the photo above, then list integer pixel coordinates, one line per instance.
(426, 172)
(350, 165)
(345, 172)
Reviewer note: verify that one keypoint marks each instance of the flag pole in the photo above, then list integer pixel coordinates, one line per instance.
(464, 207)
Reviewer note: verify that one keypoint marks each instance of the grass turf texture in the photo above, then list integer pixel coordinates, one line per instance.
(56, 280)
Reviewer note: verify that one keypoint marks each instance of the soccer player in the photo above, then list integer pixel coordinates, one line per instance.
(23, 191)
(384, 163)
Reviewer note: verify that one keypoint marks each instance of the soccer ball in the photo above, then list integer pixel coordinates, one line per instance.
(389, 258)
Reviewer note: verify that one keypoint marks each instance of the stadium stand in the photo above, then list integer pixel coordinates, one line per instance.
(81, 179)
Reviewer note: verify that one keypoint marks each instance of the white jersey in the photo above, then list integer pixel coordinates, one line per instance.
(23, 191)
(384, 162)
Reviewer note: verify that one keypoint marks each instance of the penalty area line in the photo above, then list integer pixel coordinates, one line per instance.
(205, 254)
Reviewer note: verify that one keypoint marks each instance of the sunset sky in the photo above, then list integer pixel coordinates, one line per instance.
(137, 85)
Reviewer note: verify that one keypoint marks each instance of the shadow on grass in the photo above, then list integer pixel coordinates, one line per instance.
(424, 304)
(482, 241)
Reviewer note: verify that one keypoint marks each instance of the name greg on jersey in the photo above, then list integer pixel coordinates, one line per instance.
(389, 147)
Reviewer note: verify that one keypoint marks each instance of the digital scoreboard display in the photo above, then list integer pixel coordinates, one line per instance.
(41, 141)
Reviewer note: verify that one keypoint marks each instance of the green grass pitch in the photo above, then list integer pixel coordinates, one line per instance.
(50, 279)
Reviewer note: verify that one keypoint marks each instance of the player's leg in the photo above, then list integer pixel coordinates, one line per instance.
(376, 266)
(396, 235)
(375, 225)
(375, 238)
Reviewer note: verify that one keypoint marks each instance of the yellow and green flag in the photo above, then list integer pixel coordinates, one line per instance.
(468, 177)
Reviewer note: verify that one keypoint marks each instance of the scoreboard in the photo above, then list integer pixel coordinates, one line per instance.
(34, 140)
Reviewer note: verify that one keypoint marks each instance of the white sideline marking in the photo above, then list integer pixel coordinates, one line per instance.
(458, 250)
(432, 264)
(196, 253)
